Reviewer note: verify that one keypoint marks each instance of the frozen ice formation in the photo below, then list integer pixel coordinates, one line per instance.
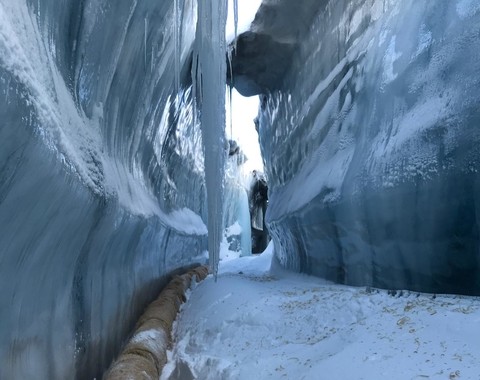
(368, 126)
(209, 72)
(371, 143)
(102, 179)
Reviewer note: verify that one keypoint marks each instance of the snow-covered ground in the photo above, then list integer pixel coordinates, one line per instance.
(259, 322)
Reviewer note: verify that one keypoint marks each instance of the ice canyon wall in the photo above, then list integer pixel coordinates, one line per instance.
(101, 176)
(370, 135)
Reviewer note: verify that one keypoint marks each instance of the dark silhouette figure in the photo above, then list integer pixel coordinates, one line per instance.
(258, 201)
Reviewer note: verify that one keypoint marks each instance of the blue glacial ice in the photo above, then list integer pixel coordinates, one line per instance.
(102, 179)
(371, 140)
(368, 127)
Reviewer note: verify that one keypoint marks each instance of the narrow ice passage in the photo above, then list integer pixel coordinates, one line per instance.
(112, 162)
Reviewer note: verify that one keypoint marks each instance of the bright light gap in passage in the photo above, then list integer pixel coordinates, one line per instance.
(244, 110)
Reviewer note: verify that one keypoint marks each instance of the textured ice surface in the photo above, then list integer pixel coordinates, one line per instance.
(372, 144)
(101, 176)
(237, 235)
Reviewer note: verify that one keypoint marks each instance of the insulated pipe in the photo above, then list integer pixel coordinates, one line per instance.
(145, 354)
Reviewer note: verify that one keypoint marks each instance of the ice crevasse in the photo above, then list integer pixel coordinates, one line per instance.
(368, 127)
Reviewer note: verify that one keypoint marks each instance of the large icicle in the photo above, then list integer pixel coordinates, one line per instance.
(177, 25)
(235, 19)
(209, 80)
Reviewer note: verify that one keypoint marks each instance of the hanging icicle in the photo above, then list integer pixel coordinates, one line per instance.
(176, 38)
(235, 20)
(209, 73)
(230, 107)
(230, 87)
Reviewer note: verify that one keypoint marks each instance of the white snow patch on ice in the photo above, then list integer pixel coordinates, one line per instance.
(391, 56)
(253, 265)
(425, 40)
(66, 129)
(259, 323)
(355, 22)
(187, 221)
(234, 229)
(312, 179)
(133, 195)
(427, 115)
(225, 253)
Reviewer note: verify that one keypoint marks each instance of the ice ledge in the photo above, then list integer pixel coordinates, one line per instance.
(262, 55)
